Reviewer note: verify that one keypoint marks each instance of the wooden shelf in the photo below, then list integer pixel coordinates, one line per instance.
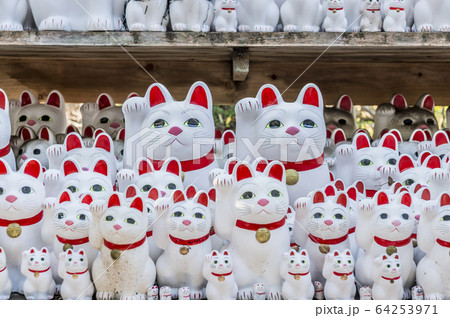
(368, 66)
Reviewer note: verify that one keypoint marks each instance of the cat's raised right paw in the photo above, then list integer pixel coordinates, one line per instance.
(135, 105)
(345, 150)
(223, 182)
(97, 208)
(248, 105)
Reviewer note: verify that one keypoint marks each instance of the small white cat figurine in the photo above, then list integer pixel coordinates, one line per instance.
(225, 16)
(301, 15)
(191, 15)
(218, 271)
(335, 19)
(13, 14)
(297, 279)
(5, 281)
(432, 15)
(371, 20)
(184, 293)
(338, 271)
(147, 15)
(257, 16)
(39, 284)
(165, 293)
(395, 20)
(74, 270)
(37, 148)
(6, 153)
(387, 277)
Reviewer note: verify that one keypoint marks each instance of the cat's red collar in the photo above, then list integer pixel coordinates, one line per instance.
(342, 274)
(212, 231)
(196, 241)
(43, 271)
(414, 236)
(396, 9)
(299, 274)
(80, 241)
(23, 222)
(255, 227)
(391, 278)
(218, 275)
(386, 243)
(335, 9)
(228, 9)
(305, 165)
(80, 273)
(352, 230)
(373, 10)
(4, 151)
(2, 269)
(334, 241)
(124, 247)
(149, 233)
(443, 243)
(191, 165)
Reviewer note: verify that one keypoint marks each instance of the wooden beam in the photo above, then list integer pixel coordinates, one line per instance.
(241, 64)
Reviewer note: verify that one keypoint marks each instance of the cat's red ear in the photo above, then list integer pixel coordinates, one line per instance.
(153, 194)
(303, 253)
(405, 163)
(214, 253)
(330, 191)
(212, 195)
(144, 166)
(262, 165)
(178, 196)
(26, 133)
(114, 200)
(156, 96)
(203, 199)
(406, 199)
(71, 129)
(44, 133)
(88, 131)
(121, 135)
(310, 95)
(69, 252)
(348, 253)
(336, 253)
(73, 141)
(27, 98)
(243, 171)
(137, 204)
(228, 137)
(191, 191)
(418, 135)
(426, 102)
(32, 251)
(1, 251)
(44, 250)
(292, 253)
(81, 252)
(3, 99)
(440, 138)
(318, 197)
(360, 187)
(174, 167)
(382, 198)
(87, 199)
(338, 136)
(200, 95)
(396, 134)
(276, 171)
(399, 101)
(269, 96)
(428, 134)
(433, 162)
(64, 197)
(389, 141)
(396, 256)
(384, 257)
(426, 195)
(131, 192)
(103, 141)
(225, 252)
(70, 167)
(342, 200)
(231, 165)
(345, 103)
(351, 193)
(33, 168)
(104, 101)
(101, 167)
(55, 99)
(445, 199)
(361, 141)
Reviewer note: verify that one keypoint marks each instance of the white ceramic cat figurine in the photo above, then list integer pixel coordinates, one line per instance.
(37, 148)
(172, 129)
(5, 281)
(342, 115)
(21, 198)
(225, 16)
(395, 20)
(301, 15)
(191, 15)
(371, 19)
(165, 293)
(384, 226)
(5, 131)
(148, 15)
(218, 271)
(251, 207)
(31, 113)
(338, 271)
(297, 279)
(440, 144)
(123, 269)
(257, 16)
(13, 14)
(74, 270)
(327, 220)
(182, 230)
(103, 114)
(432, 15)
(293, 133)
(387, 277)
(413, 173)
(35, 267)
(335, 19)
(434, 238)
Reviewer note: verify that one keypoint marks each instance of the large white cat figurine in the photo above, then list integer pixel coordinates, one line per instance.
(13, 14)
(293, 133)
(74, 270)
(297, 279)
(35, 267)
(257, 16)
(191, 15)
(338, 271)
(158, 127)
(432, 15)
(5, 281)
(301, 15)
(218, 271)
(6, 153)
(147, 15)
(335, 17)
(387, 277)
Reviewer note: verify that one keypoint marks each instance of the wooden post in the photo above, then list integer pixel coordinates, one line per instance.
(241, 64)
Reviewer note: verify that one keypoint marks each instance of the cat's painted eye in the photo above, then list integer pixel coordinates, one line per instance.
(275, 194)
(146, 188)
(405, 216)
(109, 218)
(123, 120)
(365, 162)
(42, 259)
(392, 162)
(308, 123)
(60, 215)
(408, 182)
(215, 262)
(388, 266)
(342, 122)
(248, 195)
(130, 221)
(192, 122)
(226, 261)
(178, 214)
(408, 122)
(22, 119)
(445, 218)
(20, 151)
(318, 215)
(398, 265)
(31, 259)
(292, 261)
(81, 259)
(82, 217)
(349, 261)
(171, 186)
(338, 216)
(26, 190)
(70, 259)
(430, 121)
(339, 261)
(159, 123)
(45, 118)
(2, 191)
(103, 120)
(274, 124)
(303, 261)
(383, 216)
(72, 189)
(199, 215)
(97, 188)
(36, 151)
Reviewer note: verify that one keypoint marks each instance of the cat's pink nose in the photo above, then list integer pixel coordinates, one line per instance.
(175, 131)
(24, 157)
(328, 222)
(117, 227)
(396, 223)
(263, 202)
(163, 193)
(186, 222)
(11, 198)
(31, 122)
(292, 131)
(417, 217)
(114, 125)
(69, 223)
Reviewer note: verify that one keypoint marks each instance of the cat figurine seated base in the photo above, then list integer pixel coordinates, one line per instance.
(297, 279)
(218, 271)
(73, 269)
(39, 283)
(338, 272)
(388, 284)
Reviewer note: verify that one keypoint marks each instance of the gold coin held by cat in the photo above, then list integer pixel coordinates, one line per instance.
(291, 177)
(296, 277)
(324, 248)
(184, 250)
(115, 254)
(262, 235)
(13, 230)
(414, 241)
(67, 246)
(36, 274)
(75, 276)
(344, 277)
(221, 278)
(334, 11)
(391, 250)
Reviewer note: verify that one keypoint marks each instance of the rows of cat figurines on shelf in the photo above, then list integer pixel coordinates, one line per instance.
(227, 15)
(178, 216)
